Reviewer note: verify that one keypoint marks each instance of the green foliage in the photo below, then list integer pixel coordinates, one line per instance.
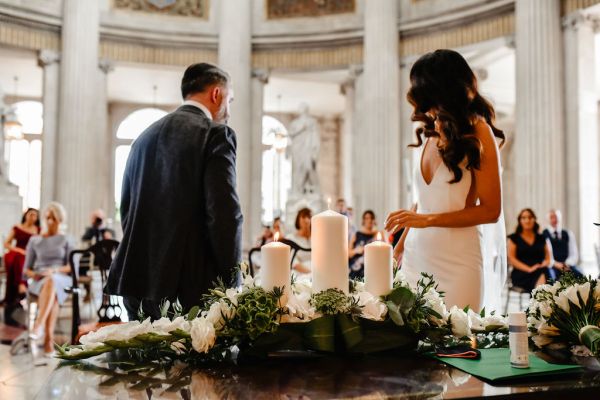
(333, 302)
(257, 312)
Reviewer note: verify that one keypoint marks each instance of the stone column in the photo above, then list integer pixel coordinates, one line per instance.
(77, 173)
(582, 141)
(48, 60)
(104, 199)
(381, 181)
(235, 51)
(347, 135)
(539, 137)
(409, 155)
(260, 78)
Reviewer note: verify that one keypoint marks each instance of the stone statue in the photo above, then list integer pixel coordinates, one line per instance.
(304, 149)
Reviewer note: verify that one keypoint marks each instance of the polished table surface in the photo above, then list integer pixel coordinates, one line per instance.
(374, 377)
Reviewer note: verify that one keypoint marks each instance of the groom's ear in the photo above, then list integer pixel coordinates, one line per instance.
(215, 94)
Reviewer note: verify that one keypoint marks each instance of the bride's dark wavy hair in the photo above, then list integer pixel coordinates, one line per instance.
(443, 82)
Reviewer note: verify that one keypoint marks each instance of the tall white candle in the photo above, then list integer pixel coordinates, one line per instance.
(379, 278)
(275, 267)
(329, 256)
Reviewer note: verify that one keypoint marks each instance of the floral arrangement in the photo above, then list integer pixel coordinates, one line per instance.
(566, 313)
(249, 320)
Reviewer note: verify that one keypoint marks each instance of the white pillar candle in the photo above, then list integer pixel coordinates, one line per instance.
(329, 256)
(379, 278)
(275, 268)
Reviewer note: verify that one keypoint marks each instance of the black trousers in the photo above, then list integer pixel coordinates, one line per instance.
(150, 308)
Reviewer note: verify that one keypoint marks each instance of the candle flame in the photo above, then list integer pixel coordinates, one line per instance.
(276, 237)
(379, 237)
(329, 203)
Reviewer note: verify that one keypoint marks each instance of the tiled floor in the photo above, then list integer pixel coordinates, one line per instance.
(20, 378)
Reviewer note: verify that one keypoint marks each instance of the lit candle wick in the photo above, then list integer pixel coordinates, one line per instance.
(329, 203)
(276, 237)
(379, 238)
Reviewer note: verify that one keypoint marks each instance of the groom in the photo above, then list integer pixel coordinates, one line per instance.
(180, 211)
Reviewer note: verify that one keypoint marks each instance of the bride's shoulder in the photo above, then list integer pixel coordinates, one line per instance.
(483, 132)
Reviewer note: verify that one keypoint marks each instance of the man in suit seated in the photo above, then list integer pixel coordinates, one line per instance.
(180, 212)
(564, 246)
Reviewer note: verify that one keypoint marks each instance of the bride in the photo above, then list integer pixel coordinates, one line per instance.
(458, 183)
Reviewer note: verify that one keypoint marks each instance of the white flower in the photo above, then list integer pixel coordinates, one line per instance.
(119, 332)
(584, 292)
(434, 301)
(545, 309)
(460, 322)
(571, 293)
(563, 301)
(299, 309)
(371, 307)
(495, 320)
(476, 321)
(165, 326)
(547, 330)
(302, 286)
(541, 340)
(401, 279)
(218, 312)
(203, 335)
(359, 286)
(248, 281)
(178, 347)
(232, 295)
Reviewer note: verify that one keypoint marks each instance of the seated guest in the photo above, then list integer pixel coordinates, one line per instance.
(528, 252)
(46, 265)
(356, 249)
(15, 243)
(564, 247)
(98, 230)
(301, 237)
(265, 237)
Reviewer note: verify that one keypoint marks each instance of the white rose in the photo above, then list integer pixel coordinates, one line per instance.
(165, 326)
(302, 286)
(203, 335)
(401, 279)
(460, 322)
(217, 312)
(476, 321)
(372, 307)
(434, 301)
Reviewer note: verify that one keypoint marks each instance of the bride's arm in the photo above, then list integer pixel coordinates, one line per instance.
(399, 248)
(489, 193)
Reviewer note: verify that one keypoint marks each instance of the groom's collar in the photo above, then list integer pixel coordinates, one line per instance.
(200, 106)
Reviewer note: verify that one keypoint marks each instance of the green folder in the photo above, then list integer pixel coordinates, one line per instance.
(494, 366)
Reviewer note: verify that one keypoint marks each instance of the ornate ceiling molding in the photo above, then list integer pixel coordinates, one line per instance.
(183, 8)
(278, 9)
(569, 6)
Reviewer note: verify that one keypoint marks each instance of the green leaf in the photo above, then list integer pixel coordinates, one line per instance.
(482, 313)
(194, 311)
(394, 313)
(164, 308)
(403, 297)
(320, 334)
(350, 330)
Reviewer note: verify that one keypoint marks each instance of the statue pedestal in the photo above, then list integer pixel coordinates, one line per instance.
(11, 207)
(314, 201)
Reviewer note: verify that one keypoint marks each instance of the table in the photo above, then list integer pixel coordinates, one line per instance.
(373, 377)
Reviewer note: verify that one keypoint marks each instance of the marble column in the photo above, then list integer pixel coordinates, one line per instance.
(77, 172)
(104, 199)
(235, 51)
(582, 141)
(260, 78)
(410, 155)
(540, 135)
(48, 60)
(381, 177)
(347, 135)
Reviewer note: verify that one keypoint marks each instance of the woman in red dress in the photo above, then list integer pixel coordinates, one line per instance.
(15, 258)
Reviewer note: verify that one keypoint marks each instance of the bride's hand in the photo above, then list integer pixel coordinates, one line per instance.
(405, 219)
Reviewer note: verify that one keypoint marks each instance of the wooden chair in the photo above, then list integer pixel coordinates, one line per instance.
(101, 253)
(295, 249)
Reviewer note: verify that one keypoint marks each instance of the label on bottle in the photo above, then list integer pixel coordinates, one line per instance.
(519, 348)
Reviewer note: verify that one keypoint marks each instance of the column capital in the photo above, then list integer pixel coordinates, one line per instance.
(106, 65)
(47, 57)
(579, 18)
(261, 74)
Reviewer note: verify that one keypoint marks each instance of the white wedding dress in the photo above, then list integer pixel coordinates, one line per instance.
(454, 256)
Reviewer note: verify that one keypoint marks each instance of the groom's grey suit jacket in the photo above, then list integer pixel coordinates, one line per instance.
(180, 212)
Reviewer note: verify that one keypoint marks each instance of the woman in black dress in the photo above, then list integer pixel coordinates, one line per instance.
(362, 237)
(529, 253)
